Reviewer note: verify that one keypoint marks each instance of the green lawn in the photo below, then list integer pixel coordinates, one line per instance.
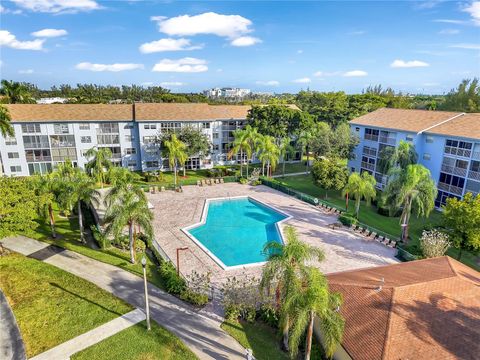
(52, 306)
(369, 216)
(136, 343)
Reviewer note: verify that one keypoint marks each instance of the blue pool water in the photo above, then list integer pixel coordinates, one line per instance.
(236, 230)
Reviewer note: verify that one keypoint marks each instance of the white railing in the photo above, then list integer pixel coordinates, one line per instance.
(387, 140)
(458, 151)
(474, 175)
(454, 170)
(450, 188)
(371, 137)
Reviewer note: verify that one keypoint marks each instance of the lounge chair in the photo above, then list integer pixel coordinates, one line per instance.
(217, 181)
(385, 241)
(150, 189)
(221, 181)
(392, 244)
(209, 182)
(155, 189)
(199, 183)
(162, 188)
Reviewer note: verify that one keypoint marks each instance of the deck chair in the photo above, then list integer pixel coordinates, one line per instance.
(155, 189)
(392, 244)
(162, 189)
(199, 183)
(217, 181)
(221, 181)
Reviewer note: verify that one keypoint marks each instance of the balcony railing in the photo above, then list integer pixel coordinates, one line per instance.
(475, 175)
(476, 155)
(370, 152)
(387, 140)
(457, 151)
(450, 188)
(454, 170)
(368, 166)
(371, 137)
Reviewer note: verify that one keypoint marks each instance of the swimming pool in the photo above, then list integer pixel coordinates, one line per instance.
(234, 231)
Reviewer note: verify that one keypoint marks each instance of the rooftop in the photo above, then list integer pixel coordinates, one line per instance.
(467, 126)
(426, 309)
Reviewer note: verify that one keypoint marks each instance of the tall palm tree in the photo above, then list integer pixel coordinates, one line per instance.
(45, 188)
(84, 191)
(6, 128)
(130, 208)
(410, 189)
(285, 150)
(175, 151)
(305, 141)
(122, 180)
(252, 138)
(100, 162)
(285, 263)
(269, 153)
(360, 186)
(64, 176)
(401, 156)
(15, 92)
(314, 300)
(241, 144)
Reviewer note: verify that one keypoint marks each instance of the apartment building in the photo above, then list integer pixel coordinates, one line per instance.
(49, 134)
(447, 143)
(227, 93)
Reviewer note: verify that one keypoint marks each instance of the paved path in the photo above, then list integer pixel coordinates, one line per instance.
(292, 174)
(201, 333)
(11, 343)
(79, 343)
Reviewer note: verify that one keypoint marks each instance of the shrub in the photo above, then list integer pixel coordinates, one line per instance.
(384, 211)
(249, 313)
(100, 237)
(256, 182)
(243, 181)
(347, 220)
(194, 298)
(269, 315)
(232, 312)
(174, 283)
(434, 243)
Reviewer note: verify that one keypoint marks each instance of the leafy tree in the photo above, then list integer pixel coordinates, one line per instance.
(6, 128)
(284, 266)
(343, 141)
(241, 144)
(17, 205)
(465, 98)
(434, 243)
(45, 189)
(360, 186)
(286, 150)
(176, 152)
(99, 163)
(268, 154)
(410, 189)
(462, 218)
(64, 176)
(397, 157)
(329, 174)
(253, 138)
(331, 107)
(306, 140)
(314, 300)
(15, 92)
(128, 209)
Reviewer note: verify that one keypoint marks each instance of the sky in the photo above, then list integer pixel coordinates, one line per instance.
(266, 46)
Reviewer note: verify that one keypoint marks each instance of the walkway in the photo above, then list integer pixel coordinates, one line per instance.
(292, 174)
(92, 337)
(201, 333)
(11, 343)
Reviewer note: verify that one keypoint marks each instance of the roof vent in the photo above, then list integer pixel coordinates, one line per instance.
(380, 287)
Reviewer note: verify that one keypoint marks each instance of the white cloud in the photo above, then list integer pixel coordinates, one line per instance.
(107, 67)
(304, 80)
(450, 21)
(245, 41)
(48, 33)
(57, 6)
(184, 65)
(26, 71)
(355, 73)
(466, 46)
(9, 40)
(268, 83)
(474, 11)
(324, 74)
(449, 32)
(4, 10)
(230, 26)
(168, 45)
(408, 64)
(169, 84)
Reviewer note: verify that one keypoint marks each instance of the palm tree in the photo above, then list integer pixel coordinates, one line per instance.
(122, 180)
(314, 300)
(269, 153)
(45, 186)
(175, 151)
(401, 156)
(6, 128)
(241, 144)
(360, 186)
(252, 138)
(305, 140)
(285, 263)
(285, 149)
(100, 163)
(84, 191)
(130, 208)
(64, 177)
(15, 92)
(410, 189)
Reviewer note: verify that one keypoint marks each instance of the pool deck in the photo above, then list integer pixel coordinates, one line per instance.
(344, 250)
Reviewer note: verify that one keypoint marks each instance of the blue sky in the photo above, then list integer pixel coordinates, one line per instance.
(267, 46)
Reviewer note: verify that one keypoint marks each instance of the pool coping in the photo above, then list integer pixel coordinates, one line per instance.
(202, 221)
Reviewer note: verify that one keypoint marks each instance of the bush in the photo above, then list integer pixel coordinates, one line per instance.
(173, 282)
(256, 182)
(100, 237)
(347, 220)
(269, 315)
(243, 181)
(434, 243)
(384, 211)
(194, 298)
(232, 312)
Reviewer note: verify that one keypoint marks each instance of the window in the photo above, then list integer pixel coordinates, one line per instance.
(108, 128)
(352, 169)
(30, 128)
(475, 166)
(151, 151)
(149, 139)
(128, 126)
(150, 126)
(215, 147)
(62, 154)
(62, 141)
(85, 139)
(13, 155)
(170, 126)
(215, 135)
(131, 163)
(35, 142)
(429, 139)
(426, 156)
(357, 129)
(459, 148)
(206, 125)
(84, 126)
(129, 138)
(108, 139)
(130, 151)
(16, 169)
(151, 164)
(371, 134)
(409, 138)
(39, 168)
(60, 128)
(10, 140)
(38, 155)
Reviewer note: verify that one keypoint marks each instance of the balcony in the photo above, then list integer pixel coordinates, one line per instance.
(450, 188)
(476, 155)
(370, 152)
(458, 151)
(371, 137)
(368, 166)
(475, 175)
(454, 170)
(387, 140)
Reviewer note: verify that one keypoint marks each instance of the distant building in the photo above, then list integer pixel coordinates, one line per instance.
(52, 100)
(227, 93)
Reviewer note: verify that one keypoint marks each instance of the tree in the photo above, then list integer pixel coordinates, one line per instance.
(305, 140)
(241, 144)
(329, 174)
(465, 98)
(330, 107)
(15, 92)
(397, 157)
(321, 144)
(176, 152)
(268, 154)
(64, 177)
(343, 141)
(99, 163)
(285, 263)
(286, 150)
(84, 192)
(253, 137)
(410, 189)
(462, 219)
(360, 186)
(128, 209)
(314, 300)
(434, 243)
(6, 128)
(45, 189)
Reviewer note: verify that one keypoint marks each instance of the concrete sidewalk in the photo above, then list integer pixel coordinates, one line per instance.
(11, 343)
(200, 332)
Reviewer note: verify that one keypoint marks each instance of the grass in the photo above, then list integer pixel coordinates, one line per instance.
(52, 306)
(135, 343)
(369, 216)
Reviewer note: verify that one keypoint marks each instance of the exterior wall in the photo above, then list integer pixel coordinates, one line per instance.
(340, 352)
